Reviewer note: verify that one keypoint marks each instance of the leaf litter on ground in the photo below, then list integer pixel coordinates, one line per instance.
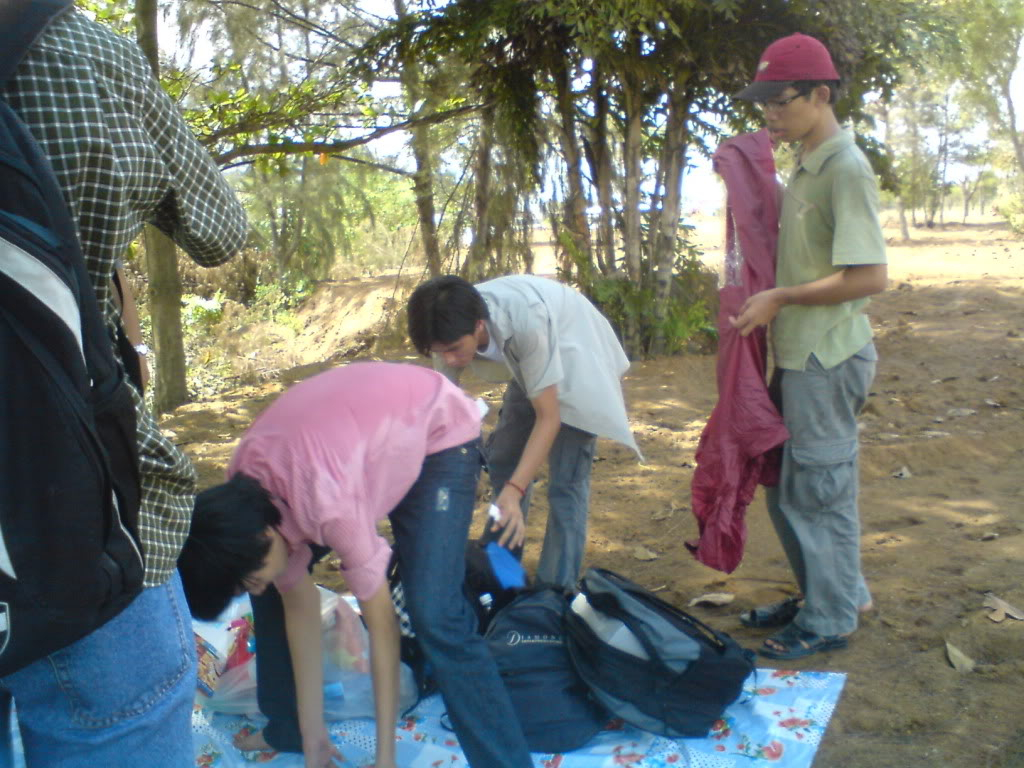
(715, 599)
(641, 552)
(1001, 609)
(961, 661)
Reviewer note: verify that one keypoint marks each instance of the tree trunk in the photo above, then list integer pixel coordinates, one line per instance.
(481, 245)
(169, 387)
(944, 159)
(423, 188)
(575, 207)
(663, 251)
(1011, 127)
(632, 178)
(904, 229)
(605, 181)
(525, 234)
(969, 189)
(602, 170)
(423, 154)
(554, 222)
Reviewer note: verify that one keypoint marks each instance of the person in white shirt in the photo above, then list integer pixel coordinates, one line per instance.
(565, 366)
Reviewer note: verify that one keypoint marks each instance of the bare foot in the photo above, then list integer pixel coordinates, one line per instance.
(248, 740)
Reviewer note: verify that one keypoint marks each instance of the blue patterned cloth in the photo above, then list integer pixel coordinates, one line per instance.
(779, 721)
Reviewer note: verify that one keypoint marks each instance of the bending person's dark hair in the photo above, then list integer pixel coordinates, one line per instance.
(227, 542)
(443, 309)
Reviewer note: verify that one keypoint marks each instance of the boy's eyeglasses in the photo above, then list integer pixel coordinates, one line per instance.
(776, 105)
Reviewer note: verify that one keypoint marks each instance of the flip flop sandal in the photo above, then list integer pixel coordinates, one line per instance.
(795, 643)
(770, 616)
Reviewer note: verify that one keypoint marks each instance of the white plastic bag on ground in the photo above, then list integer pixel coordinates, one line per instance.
(227, 680)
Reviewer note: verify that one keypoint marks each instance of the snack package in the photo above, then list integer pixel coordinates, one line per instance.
(211, 666)
(215, 643)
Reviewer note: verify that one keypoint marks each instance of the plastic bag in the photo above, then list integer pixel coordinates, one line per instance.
(348, 687)
(235, 693)
(218, 646)
(235, 690)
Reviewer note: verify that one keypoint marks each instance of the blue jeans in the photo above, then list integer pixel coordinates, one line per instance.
(814, 507)
(431, 526)
(569, 465)
(120, 696)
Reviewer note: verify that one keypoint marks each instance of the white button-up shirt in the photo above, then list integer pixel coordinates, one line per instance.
(549, 335)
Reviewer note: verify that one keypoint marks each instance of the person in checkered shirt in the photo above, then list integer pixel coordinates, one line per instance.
(123, 156)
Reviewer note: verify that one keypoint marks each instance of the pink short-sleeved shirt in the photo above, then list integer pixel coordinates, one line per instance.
(339, 451)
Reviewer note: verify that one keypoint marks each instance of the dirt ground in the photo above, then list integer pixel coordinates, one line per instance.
(941, 471)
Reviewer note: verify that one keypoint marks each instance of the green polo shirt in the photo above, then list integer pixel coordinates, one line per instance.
(829, 221)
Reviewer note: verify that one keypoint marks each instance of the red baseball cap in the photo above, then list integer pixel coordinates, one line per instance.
(797, 57)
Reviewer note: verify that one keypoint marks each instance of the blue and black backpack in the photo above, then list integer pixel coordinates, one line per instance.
(70, 557)
(649, 662)
(529, 642)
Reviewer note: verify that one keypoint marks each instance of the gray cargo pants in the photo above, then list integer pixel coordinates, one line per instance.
(814, 508)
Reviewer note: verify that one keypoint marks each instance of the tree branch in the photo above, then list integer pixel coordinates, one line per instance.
(342, 145)
(371, 164)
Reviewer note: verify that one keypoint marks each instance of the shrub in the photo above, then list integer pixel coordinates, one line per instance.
(1011, 207)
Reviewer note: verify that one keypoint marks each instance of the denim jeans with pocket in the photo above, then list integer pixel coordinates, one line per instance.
(569, 464)
(431, 526)
(120, 696)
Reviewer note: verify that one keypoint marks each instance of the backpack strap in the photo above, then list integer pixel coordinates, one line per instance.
(608, 604)
(22, 22)
(655, 603)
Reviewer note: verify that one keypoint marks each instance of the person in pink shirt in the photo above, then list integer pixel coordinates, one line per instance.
(328, 460)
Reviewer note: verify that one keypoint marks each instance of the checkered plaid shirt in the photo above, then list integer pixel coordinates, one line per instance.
(124, 156)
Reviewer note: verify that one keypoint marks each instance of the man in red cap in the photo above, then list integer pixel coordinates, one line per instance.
(831, 257)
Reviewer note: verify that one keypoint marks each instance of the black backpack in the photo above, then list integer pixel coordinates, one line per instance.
(485, 587)
(664, 671)
(527, 640)
(70, 558)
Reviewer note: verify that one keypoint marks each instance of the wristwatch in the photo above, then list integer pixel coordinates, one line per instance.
(142, 349)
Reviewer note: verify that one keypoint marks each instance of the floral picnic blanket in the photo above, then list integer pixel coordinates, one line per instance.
(778, 721)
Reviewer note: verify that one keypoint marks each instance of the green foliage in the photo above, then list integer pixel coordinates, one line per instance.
(199, 315)
(1011, 207)
(991, 33)
(280, 298)
(881, 161)
(206, 367)
(647, 60)
(279, 83)
(118, 14)
(312, 216)
(210, 366)
(277, 302)
(688, 321)
(624, 302)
